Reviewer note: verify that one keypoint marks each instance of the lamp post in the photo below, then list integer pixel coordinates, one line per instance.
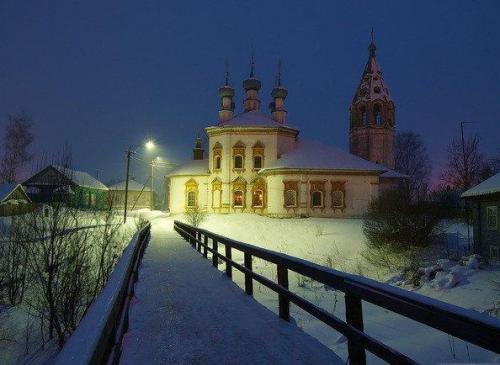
(149, 145)
(154, 161)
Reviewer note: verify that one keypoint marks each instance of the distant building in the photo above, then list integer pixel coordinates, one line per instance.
(14, 200)
(257, 162)
(139, 195)
(76, 188)
(485, 198)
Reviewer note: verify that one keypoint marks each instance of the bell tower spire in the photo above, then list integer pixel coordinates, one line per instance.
(252, 87)
(279, 94)
(372, 115)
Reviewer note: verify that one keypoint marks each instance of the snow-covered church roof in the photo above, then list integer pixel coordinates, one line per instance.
(372, 85)
(312, 155)
(191, 168)
(488, 186)
(253, 118)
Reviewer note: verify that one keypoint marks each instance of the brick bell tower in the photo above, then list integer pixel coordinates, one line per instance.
(372, 116)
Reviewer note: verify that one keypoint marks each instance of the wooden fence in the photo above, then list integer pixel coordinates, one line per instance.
(467, 325)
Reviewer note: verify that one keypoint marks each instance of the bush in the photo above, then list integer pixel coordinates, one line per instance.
(195, 216)
(392, 220)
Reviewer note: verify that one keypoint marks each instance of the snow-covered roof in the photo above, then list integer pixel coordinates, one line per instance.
(81, 178)
(372, 85)
(193, 167)
(312, 155)
(488, 186)
(132, 186)
(391, 174)
(253, 118)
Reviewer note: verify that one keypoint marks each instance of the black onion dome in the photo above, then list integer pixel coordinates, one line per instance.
(279, 92)
(226, 91)
(251, 84)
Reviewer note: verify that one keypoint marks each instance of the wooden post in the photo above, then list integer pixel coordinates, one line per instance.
(198, 244)
(248, 277)
(205, 241)
(284, 303)
(354, 317)
(215, 257)
(229, 271)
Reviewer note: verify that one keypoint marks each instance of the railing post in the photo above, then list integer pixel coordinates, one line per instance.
(215, 257)
(284, 303)
(354, 317)
(198, 244)
(248, 277)
(205, 241)
(229, 267)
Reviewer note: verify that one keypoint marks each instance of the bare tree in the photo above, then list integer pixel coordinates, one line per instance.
(412, 160)
(17, 140)
(465, 164)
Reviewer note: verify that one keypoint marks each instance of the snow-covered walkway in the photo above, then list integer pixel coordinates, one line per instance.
(186, 312)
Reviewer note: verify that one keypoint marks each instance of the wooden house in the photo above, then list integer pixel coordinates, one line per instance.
(139, 195)
(14, 200)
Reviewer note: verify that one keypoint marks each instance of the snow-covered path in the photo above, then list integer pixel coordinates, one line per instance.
(186, 312)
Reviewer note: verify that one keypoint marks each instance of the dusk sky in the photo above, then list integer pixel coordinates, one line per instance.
(105, 75)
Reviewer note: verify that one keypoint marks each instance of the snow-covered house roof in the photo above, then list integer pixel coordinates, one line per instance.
(133, 185)
(7, 191)
(191, 168)
(312, 155)
(391, 174)
(81, 178)
(254, 119)
(488, 186)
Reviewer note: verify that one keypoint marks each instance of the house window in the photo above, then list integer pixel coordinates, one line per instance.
(492, 218)
(191, 199)
(317, 199)
(238, 162)
(93, 199)
(238, 198)
(338, 199)
(217, 163)
(257, 162)
(258, 199)
(290, 198)
(494, 253)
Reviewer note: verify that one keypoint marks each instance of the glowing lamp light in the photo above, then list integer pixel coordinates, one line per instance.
(150, 145)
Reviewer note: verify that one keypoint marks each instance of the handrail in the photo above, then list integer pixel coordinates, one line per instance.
(467, 325)
(98, 337)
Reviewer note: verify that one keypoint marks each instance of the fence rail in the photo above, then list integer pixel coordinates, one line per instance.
(467, 325)
(98, 337)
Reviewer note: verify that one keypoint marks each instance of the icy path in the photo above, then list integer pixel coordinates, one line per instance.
(187, 312)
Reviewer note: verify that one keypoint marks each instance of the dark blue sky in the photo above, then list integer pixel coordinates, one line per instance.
(101, 75)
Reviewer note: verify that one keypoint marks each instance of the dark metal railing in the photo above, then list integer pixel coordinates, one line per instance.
(467, 325)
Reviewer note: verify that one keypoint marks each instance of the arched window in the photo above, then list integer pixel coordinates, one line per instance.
(238, 162)
(377, 114)
(238, 198)
(317, 199)
(257, 162)
(217, 195)
(338, 199)
(364, 116)
(217, 163)
(258, 198)
(290, 198)
(191, 199)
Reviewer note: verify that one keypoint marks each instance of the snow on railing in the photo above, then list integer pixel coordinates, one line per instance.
(97, 339)
(470, 326)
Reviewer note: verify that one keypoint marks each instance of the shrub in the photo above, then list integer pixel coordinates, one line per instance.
(392, 220)
(195, 216)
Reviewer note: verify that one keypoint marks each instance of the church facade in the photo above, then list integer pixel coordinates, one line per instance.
(257, 163)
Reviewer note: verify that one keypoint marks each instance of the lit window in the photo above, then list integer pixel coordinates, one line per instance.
(238, 162)
(257, 162)
(238, 198)
(258, 198)
(191, 199)
(338, 199)
(492, 218)
(217, 163)
(317, 199)
(290, 198)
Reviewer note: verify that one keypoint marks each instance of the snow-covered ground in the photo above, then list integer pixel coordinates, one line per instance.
(338, 243)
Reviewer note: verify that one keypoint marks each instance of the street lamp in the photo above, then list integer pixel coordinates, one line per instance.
(155, 161)
(150, 145)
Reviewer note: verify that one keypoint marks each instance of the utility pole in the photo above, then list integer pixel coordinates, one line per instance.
(152, 196)
(129, 153)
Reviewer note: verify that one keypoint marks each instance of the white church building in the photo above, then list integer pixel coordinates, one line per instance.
(258, 163)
